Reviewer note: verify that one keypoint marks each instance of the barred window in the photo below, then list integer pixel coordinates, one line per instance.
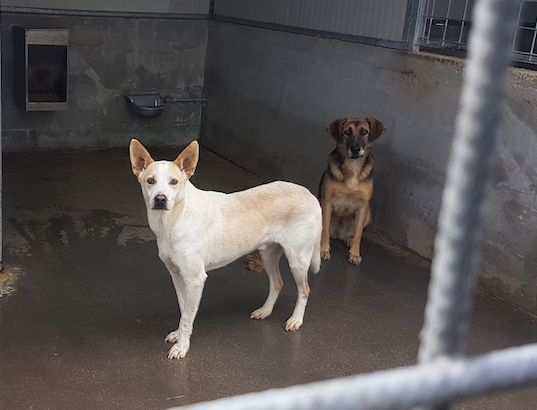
(447, 23)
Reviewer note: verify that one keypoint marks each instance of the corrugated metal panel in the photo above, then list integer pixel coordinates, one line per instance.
(381, 19)
(131, 6)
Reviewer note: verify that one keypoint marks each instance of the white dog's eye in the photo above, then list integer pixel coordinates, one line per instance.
(151, 180)
(173, 181)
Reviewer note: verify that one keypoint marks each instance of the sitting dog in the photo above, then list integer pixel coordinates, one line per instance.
(346, 186)
(198, 231)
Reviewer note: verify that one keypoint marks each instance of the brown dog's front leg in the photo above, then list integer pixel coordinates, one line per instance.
(335, 171)
(325, 236)
(359, 221)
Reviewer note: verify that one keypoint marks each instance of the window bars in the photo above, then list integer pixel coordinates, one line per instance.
(446, 25)
(443, 374)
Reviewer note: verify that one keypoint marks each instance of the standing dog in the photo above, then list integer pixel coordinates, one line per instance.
(346, 186)
(198, 231)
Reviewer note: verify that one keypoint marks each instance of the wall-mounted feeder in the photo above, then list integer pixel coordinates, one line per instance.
(148, 105)
(41, 68)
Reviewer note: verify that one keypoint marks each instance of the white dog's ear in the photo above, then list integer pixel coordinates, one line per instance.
(140, 158)
(188, 159)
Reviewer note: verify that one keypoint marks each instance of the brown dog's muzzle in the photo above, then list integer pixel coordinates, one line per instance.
(356, 151)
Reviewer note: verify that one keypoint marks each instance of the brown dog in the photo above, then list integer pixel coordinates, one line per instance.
(346, 186)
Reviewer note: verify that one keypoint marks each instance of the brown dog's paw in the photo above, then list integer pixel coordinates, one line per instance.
(325, 253)
(355, 259)
(254, 263)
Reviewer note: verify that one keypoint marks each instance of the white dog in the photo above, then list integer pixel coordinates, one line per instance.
(198, 231)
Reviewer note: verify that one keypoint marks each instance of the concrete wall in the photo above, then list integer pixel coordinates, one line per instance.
(109, 57)
(272, 94)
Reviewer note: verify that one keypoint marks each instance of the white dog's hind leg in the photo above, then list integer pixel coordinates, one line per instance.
(299, 265)
(271, 261)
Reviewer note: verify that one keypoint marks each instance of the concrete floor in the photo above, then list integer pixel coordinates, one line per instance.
(85, 326)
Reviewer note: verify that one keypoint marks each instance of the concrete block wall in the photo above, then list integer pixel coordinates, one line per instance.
(272, 94)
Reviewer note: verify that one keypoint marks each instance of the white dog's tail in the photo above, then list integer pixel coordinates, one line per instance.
(315, 264)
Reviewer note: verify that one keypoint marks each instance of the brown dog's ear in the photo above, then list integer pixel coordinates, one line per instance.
(140, 158)
(188, 159)
(336, 128)
(376, 128)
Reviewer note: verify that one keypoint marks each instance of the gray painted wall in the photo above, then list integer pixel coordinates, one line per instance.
(272, 94)
(109, 57)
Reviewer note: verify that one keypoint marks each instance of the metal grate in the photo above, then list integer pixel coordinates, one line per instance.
(446, 25)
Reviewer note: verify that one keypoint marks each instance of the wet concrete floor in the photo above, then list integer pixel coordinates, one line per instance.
(85, 326)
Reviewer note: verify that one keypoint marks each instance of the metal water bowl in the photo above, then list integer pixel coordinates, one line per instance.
(145, 105)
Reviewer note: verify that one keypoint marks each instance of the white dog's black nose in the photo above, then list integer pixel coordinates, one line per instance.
(160, 202)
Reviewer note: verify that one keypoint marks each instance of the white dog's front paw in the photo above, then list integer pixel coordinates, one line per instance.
(293, 324)
(172, 337)
(261, 313)
(179, 350)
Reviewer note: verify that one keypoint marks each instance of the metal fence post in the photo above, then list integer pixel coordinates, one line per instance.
(1, 165)
(455, 261)
(414, 23)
